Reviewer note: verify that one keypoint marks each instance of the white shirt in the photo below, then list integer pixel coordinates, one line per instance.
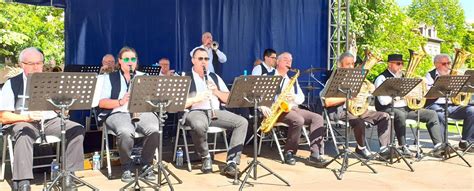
(386, 100)
(107, 90)
(220, 55)
(7, 102)
(429, 83)
(201, 86)
(299, 97)
(257, 70)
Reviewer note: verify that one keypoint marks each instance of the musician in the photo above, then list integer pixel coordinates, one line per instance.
(165, 67)
(297, 117)
(25, 126)
(108, 64)
(204, 97)
(442, 64)
(114, 114)
(267, 67)
(216, 57)
(335, 108)
(402, 112)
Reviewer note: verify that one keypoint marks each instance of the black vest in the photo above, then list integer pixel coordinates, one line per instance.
(431, 101)
(192, 88)
(114, 78)
(17, 85)
(215, 62)
(378, 106)
(265, 71)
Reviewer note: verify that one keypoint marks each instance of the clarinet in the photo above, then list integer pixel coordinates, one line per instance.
(206, 80)
(135, 116)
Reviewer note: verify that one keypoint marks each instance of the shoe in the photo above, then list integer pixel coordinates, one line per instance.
(406, 152)
(289, 158)
(127, 176)
(230, 170)
(464, 145)
(364, 153)
(385, 153)
(206, 165)
(318, 162)
(149, 175)
(438, 151)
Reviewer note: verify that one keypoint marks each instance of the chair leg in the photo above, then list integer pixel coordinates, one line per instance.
(107, 151)
(333, 137)
(176, 141)
(215, 142)
(262, 135)
(10, 152)
(225, 140)
(102, 145)
(457, 127)
(275, 138)
(4, 154)
(305, 134)
(58, 151)
(186, 150)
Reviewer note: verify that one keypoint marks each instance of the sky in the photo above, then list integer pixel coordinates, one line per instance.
(464, 3)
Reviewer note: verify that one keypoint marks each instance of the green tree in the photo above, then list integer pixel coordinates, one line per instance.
(468, 44)
(23, 26)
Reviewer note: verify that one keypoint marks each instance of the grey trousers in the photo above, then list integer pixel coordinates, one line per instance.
(199, 122)
(25, 135)
(121, 125)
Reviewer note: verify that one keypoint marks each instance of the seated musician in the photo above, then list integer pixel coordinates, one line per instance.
(203, 102)
(267, 66)
(442, 63)
(25, 126)
(336, 107)
(114, 114)
(297, 117)
(403, 112)
(108, 64)
(165, 67)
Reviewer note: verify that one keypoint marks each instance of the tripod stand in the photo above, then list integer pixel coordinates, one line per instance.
(145, 97)
(64, 91)
(251, 91)
(339, 86)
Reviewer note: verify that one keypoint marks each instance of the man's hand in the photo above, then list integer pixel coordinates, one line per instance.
(290, 97)
(212, 87)
(35, 115)
(265, 110)
(125, 99)
(202, 96)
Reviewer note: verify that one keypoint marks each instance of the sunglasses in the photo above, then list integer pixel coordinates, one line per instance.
(398, 63)
(202, 58)
(133, 59)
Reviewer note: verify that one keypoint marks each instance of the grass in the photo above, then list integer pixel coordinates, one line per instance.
(451, 127)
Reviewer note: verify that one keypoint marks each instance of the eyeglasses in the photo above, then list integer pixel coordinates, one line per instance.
(132, 59)
(33, 63)
(398, 63)
(202, 58)
(445, 63)
(273, 58)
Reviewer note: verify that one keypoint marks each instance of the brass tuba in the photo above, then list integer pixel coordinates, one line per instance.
(415, 98)
(280, 106)
(360, 104)
(460, 57)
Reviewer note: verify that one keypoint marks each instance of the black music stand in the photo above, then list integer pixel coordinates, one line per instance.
(345, 82)
(151, 70)
(158, 94)
(396, 87)
(254, 91)
(82, 68)
(64, 91)
(447, 87)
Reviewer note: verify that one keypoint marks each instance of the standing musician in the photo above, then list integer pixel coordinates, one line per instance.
(297, 117)
(267, 67)
(114, 101)
(205, 96)
(216, 57)
(402, 112)
(335, 108)
(24, 126)
(442, 63)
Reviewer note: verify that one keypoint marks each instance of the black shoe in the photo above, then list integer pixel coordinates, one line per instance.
(289, 158)
(127, 176)
(385, 153)
(149, 175)
(464, 145)
(406, 152)
(438, 151)
(318, 162)
(230, 170)
(364, 153)
(206, 165)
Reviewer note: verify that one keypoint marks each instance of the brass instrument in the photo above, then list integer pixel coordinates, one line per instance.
(415, 98)
(281, 105)
(360, 104)
(135, 116)
(206, 79)
(460, 57)
(214, 45)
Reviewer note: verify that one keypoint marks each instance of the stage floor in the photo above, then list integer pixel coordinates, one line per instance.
(430, 174)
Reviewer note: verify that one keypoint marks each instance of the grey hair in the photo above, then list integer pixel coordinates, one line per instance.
(105, 56)
(438, 57)
(21, 57)
(280, 56)
(345, 55)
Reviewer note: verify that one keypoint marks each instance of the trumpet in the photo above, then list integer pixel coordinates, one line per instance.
(206, 79)
(135, 116)
(214, 45)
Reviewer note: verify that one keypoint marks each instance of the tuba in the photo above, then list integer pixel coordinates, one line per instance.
(415, 98)
(460, 57)
(281, 105)
(360, 104)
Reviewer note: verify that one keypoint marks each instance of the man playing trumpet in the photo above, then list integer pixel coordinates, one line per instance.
(216, 57)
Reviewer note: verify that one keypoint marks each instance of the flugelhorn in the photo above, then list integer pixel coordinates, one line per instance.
(206, 80)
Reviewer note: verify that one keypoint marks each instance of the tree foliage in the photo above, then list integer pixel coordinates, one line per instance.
(23, 26)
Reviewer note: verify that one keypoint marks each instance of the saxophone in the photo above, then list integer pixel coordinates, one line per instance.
(460, 57)
(414, 98)
(281, 105)
(360, 104)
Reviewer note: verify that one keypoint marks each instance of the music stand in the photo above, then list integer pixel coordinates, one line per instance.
(345, 82)
(396, 87)
(82, 68)
(158, 94)
(64, 91)
(254, 91)
(447, 87)
(151, 70)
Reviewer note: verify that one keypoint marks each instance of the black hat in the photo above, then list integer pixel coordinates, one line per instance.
(395, 57)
